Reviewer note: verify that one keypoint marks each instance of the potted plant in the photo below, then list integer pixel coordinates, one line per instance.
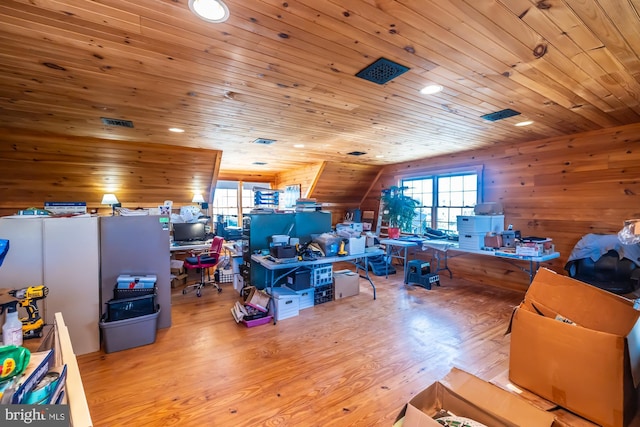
(398, 209)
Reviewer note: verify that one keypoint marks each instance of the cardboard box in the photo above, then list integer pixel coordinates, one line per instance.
(286, 303)
(179, 280)
(347, 284)
(468, 396)
(579, 347)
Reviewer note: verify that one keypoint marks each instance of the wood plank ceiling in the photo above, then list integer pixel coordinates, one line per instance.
(285, 70)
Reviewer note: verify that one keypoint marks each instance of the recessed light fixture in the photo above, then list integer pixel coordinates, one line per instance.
(176, 130)
(298, 146)
(525, 123)
(379, 156)
(214, 11)
(431, 89)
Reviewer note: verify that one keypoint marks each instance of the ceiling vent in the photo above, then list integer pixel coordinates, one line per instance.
(264, 141)
(356, 153)
(259, 163)
(117, 122)
(381, 71)
(499, 115)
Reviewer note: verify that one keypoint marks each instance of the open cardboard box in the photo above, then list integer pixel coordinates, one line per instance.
(591, 366)
(465, 395)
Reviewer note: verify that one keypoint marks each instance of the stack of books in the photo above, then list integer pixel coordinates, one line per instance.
(307, 205)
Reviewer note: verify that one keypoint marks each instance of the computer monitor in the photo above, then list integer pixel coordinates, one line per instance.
(188, 231)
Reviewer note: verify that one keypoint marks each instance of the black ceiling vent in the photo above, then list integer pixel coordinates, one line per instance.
(117, 122)
(356, 153)
(381, 71)
(264, 141)
(499, 115)
(259, 163)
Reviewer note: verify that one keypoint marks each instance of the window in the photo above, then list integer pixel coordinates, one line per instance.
(225, 200)
(442, 198)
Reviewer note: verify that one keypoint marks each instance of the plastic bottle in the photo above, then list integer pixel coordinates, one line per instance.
(12, 328)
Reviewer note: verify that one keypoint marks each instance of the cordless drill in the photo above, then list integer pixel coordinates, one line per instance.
(32, 324)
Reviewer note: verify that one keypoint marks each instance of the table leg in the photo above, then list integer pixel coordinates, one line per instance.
(387, 261)
(436, 255)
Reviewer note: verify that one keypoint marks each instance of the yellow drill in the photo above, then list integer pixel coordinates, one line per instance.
(32, 324)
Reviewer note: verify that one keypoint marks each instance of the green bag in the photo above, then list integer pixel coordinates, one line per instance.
(13, 361)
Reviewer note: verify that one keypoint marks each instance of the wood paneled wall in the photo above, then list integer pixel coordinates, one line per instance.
(563, 188)
(339, 186)
(39, 167)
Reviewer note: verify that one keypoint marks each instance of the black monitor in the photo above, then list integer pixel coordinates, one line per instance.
(188, 231)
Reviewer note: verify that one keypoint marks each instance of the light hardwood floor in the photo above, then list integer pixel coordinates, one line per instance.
(351, 362)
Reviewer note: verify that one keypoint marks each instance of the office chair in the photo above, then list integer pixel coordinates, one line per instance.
(204, 261)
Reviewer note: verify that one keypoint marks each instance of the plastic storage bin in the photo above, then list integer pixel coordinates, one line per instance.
(299, 279)
(126, 308)
(119, 293)
(129, 333)
(323, 294)
(126, 281)
(322, 275)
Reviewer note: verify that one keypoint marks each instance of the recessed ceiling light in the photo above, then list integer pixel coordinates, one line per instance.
(214, 11)
(525, 123)
(431, 89)
(379, 156)
(298, 146)
(176, 130)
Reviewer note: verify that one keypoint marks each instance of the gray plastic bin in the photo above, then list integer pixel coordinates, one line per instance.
(128, 333)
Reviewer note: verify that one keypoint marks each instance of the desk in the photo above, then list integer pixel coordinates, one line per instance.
(443, 247)
(359, 261)
(187, 248)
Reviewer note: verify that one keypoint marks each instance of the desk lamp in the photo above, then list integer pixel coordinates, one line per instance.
(197, 198)
(112, 200)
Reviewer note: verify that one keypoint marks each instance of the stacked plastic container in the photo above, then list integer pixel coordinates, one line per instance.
(472, 229)
(131, 317)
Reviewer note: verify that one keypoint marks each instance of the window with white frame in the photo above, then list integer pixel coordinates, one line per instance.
(225, 200)
(442, 197)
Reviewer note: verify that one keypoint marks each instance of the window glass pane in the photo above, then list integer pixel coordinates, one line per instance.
(444, 184)
(470, 198)
(456, 183)
(457, 198)
(471, 182)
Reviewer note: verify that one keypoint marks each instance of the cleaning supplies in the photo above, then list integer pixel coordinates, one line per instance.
(12, 328)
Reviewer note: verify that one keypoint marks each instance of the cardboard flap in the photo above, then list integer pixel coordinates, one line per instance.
(494, 400)
(587, 305)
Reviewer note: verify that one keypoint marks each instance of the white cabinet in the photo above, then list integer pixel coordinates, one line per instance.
(63, 255)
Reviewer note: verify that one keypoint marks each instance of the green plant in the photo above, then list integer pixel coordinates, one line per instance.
(398, 208)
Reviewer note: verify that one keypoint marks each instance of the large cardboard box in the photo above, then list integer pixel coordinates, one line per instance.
(346, 284)
(468, 396)
(579, 347)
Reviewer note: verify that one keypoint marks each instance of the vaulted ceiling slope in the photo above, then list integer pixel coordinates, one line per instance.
(285, 71)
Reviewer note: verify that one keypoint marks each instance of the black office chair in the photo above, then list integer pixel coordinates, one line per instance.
(205, 261)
